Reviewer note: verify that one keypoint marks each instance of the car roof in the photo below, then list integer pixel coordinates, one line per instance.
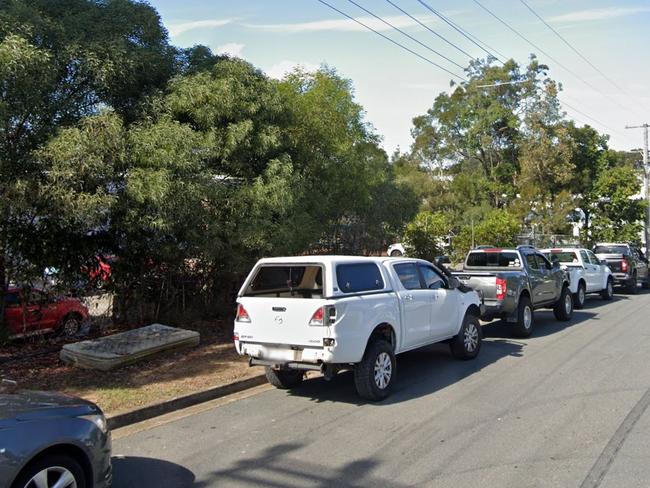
(563, 249)
(329, 259)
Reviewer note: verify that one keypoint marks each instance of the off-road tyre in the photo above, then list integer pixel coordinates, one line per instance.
(525, 318)
(631, 286)
(467, 343)
(563, 309)
(375, 375)
(608, 292)
(580, 296)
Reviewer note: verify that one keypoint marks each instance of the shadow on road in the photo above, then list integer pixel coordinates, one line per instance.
(427, 370)
(274, 467)
(139, 472)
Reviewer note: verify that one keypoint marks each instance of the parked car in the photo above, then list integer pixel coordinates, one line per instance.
(628, 264)
(513, 283)
(587, 273)
(396, 250)
(52, 440)
(330, 313)
(29, 312)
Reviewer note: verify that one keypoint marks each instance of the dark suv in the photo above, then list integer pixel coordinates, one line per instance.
(628, 264)
(52, 440)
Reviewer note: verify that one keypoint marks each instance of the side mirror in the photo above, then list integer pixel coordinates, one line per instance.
(442, 260)
(603, 262)
(555, 264)
(453, 282)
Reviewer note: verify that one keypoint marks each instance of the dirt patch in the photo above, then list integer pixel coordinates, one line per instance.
(214, 362)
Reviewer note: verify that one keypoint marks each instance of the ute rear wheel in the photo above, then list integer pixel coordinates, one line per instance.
(563, 309)
(284, 379)
(631, 287)
(374, 376)
(525, 318)
(467, 342)
(580, 296)
(608, 291)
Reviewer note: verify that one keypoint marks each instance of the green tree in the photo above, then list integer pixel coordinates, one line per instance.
(60, 61)
(499, 228)
(618, 211)
(426, 235)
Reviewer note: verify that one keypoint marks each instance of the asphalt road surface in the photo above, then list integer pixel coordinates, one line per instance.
(565, 408)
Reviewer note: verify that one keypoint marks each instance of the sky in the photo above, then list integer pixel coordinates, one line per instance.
(394, 85)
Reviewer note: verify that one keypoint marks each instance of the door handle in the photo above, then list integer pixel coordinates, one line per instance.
(408, 297)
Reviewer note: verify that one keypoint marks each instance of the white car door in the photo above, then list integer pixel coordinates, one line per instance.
(592, 272)
(444, 304)
(416, 305)
(600, 274)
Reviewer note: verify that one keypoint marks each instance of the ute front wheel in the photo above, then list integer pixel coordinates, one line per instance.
(467, 343)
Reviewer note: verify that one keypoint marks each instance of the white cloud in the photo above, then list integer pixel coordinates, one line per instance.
(231, 49)
(345, 25)
(598, 14)
(283, 67)
(181, 28)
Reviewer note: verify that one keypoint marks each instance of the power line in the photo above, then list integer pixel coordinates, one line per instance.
(568, 43)
(519, 34)
(462, 78)
(473, 39)
(407, 35)
(591, 118)
(431, 30)
(563, 39)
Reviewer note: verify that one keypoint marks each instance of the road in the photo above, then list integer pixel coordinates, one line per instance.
(564, 408)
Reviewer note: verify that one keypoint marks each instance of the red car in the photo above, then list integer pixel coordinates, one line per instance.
(36, 312)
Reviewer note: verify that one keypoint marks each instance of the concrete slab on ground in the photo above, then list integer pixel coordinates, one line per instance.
(127, 347)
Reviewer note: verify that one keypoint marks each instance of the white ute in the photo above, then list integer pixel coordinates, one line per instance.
(587, 273)
(330, 313)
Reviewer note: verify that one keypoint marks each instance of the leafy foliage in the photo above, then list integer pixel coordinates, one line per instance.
(427, 235)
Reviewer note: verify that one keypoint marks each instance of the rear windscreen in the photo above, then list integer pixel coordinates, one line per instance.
(562, 256)
(500, 259)
(287, 281)
(611, 250)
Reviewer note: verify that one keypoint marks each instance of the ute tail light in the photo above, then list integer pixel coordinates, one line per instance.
(624, 266)
(501, 288)
(235, 337)
(323, 316)
(242, 314)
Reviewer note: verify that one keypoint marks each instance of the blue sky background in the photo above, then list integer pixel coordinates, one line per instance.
(394, 86)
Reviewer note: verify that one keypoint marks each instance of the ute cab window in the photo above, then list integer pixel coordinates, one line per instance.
(287, 282)
(432, 280)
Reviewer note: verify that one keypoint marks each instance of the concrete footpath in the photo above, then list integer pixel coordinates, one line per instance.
(564, 408)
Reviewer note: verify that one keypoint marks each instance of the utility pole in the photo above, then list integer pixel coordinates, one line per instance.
(646, 176)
